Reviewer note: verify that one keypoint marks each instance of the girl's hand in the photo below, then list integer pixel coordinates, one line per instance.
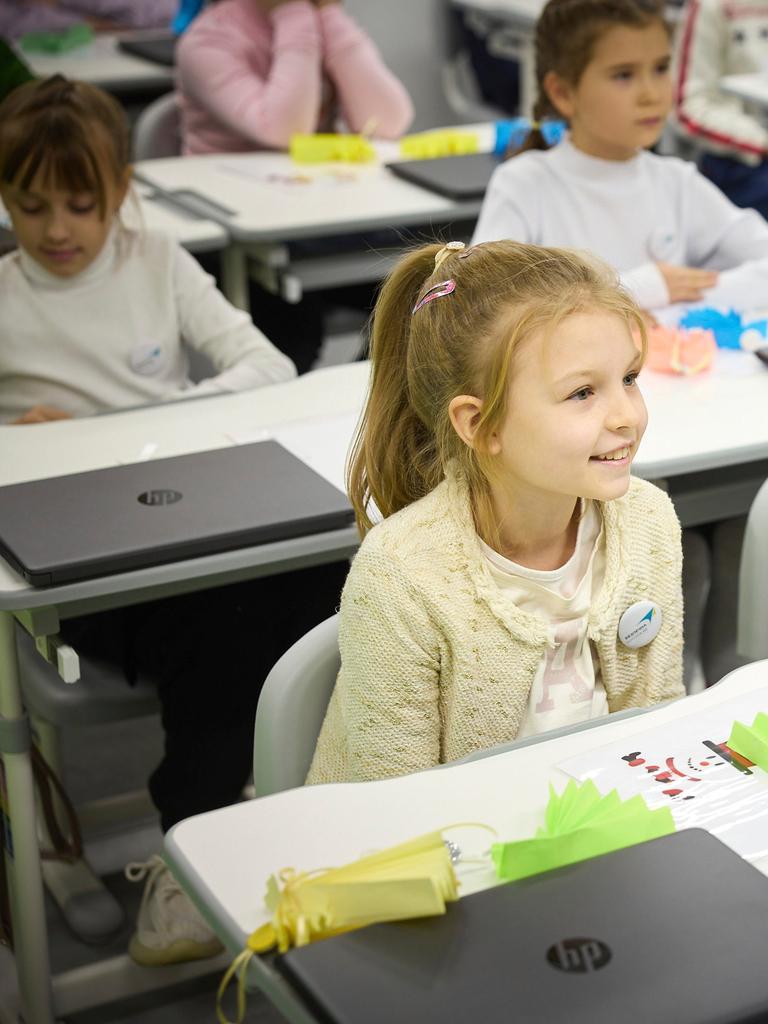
(686, 284)
(42, 414)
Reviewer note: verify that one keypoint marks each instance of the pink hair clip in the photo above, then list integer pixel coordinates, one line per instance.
(437, 291)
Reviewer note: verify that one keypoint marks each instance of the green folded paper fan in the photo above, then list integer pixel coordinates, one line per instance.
(751, 741)
(57, 42)
(579, 824)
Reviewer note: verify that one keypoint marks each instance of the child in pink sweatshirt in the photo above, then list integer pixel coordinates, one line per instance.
(251, 73)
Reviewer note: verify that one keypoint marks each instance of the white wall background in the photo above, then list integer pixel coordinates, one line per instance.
(413, 36)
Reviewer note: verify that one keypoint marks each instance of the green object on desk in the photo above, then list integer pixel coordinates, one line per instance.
(57, 42)
(13, 71)
(751, 741)
(579, 824)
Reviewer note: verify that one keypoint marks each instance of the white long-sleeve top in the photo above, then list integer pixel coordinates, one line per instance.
(716, 38)
(631, 213)
(112, 336)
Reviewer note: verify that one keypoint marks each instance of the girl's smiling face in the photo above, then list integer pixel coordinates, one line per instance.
(61, 230)
(575, 413)
(623, 96)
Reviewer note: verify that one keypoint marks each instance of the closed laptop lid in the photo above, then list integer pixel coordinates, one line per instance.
(158, 49)
(457, 177)
(668, 932)
(128, 517)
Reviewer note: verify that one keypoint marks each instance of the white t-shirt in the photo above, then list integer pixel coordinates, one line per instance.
(632, 214)
(111, 336)
(567, 687)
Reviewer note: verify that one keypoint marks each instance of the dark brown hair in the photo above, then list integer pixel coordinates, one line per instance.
(71, 135)
(566, 34)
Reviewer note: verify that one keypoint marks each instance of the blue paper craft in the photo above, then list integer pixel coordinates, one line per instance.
(728, 328)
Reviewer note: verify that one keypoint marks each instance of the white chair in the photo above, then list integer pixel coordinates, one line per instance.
(157, 132)
(90, 910)
(291, 709)
(752, 636)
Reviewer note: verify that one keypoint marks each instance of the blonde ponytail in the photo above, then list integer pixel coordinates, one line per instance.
(452, 329)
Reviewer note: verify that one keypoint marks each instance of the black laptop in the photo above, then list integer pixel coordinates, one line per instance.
(456, 177)
(157, 49)
(674, 931)
(105, 521)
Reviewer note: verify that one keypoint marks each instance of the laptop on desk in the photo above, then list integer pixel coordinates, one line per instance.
(461, 178)
(668, 932)
(160, 49)
(77, 527)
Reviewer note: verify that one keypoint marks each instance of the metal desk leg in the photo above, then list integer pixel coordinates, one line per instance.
(234, 276)
(26, 882)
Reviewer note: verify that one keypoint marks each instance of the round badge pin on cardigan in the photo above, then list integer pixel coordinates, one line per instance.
(640, 624)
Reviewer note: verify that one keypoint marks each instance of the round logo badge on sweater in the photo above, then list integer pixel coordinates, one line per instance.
(663, 244)
(640, 624)
(147, 358)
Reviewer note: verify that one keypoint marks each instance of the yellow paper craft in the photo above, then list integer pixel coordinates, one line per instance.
(751, 741)
(317, 149)
(413, 879)
(580, 823)
(444, 142)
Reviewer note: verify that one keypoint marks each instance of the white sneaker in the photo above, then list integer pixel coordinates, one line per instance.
(169, 929)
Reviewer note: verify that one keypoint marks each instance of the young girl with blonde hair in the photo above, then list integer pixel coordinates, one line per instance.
(503, 592)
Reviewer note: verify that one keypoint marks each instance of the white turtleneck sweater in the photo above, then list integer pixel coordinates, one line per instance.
(632, 214)
(111, 337)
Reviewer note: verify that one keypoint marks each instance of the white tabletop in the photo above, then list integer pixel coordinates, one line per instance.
(227, 855)
(101, 63)
(752, 87)
(524, 11)
(154, 213)
(265, 197)
(696, 423)
(313, 415)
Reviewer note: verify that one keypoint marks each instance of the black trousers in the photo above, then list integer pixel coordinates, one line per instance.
(208, 654)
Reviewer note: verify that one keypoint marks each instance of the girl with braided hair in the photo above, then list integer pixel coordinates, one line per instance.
(604, 66)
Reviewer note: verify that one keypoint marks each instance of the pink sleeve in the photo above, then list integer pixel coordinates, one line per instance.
(368, 91)
(217, 71)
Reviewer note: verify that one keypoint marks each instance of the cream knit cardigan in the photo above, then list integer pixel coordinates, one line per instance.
(437, 662)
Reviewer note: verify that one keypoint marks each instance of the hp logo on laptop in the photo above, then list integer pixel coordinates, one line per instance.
(160, 497)
(579, 956)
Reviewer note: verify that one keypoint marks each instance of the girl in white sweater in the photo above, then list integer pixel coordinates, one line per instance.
(604, 66)
(520, 580)
(95, 316)
(92, 318)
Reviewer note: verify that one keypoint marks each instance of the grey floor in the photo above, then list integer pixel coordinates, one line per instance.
(117, 757)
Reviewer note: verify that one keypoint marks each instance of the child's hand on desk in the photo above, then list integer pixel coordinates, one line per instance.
(42, 414)
(686, 284)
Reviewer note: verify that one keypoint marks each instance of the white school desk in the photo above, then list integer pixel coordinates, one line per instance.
(154, 213)
(72, 445)
(265, 201)
(752, 88)
(699, 427)
(223, 858)
(101, 63)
